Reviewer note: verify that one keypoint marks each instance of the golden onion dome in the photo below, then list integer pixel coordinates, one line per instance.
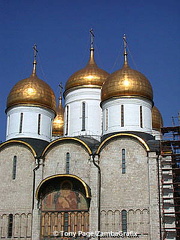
(157, 121)
(58, 123)
(32, 91)
(90, 76)
(126, 82)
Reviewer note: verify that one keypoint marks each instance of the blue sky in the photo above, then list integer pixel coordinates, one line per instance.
(60, 28)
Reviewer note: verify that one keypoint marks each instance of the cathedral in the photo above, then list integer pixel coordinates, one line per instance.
(88, 169)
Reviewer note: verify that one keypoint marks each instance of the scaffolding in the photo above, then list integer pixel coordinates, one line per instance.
(170, 177)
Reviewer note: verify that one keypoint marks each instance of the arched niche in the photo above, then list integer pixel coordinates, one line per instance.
(64, 204)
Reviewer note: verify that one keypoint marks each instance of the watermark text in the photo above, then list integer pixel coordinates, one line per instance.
(110, 234)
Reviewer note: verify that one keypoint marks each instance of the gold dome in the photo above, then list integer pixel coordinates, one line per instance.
(32, 91)
(90, 76)
(157, 121)
(58, 123)
(126, 82)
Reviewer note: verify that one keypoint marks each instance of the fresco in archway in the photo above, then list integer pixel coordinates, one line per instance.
(64, 199)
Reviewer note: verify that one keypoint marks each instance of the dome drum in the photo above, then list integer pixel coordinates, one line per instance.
(127, 114)
(86, 103)
(29, 122)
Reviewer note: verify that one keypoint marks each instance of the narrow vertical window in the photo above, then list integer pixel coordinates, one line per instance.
(122, 115)
(66, 222)
(141, 118)
(8, 124)
(14, 167)
(124, 220)
(39, 123)
(67, 162)
(123, 161)
(67, 119)
(10, 225)
(21, 122)
(83, 116)
(107, 123)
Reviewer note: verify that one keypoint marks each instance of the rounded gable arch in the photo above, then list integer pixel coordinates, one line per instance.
(102, 145)
(66, 139)
(13, 142)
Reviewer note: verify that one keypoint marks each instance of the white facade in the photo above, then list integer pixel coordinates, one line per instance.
(83, 114)
(127, 114)
(29, 122)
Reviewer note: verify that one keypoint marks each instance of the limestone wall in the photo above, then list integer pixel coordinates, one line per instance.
(16, 194)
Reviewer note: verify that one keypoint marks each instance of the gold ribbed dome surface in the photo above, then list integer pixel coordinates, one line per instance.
(90, 76)
(126, 82)
(32, 91)
(58, 123)
(157, 121)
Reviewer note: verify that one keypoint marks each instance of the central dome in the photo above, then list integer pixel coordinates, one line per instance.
(126, 82)
(90, 76)
(32, 91)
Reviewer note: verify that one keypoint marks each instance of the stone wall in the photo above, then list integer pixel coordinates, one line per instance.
(16, 194)
(135, 191)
